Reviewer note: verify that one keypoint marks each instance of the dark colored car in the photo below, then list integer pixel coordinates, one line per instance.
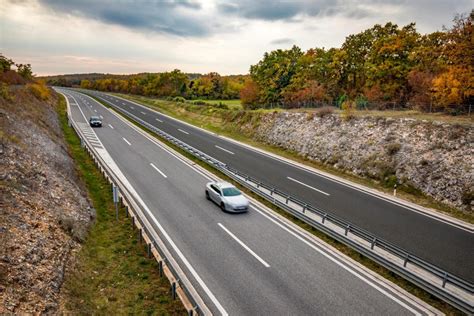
(95, 121)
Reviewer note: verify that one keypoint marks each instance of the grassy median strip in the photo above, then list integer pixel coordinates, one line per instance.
(389, 275)
(221, 121)
(112, 274)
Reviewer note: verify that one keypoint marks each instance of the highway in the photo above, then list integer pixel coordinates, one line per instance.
(254, 263)
(435, 240)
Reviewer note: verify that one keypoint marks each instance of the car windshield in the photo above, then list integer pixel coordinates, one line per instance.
(230, 192)
(95, 118)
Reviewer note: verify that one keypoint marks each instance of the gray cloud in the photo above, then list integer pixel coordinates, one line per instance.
(170, 17)
(280, 41)
(287, 10)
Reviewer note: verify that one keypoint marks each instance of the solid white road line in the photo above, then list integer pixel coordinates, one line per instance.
(126, 141)
(308, 186)
(142, 112)
(161, 172)
(244, 246)
(159, 120)
(335, 260)
(111, 126)
(228, 151)
(179, 129)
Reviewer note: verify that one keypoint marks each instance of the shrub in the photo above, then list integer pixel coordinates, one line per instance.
(348, 110)
(467, 196)
(199, 102)
(4, 93)
(179, 99)
(39, 90)
(220, 105)
(393, 148)
(361, 102)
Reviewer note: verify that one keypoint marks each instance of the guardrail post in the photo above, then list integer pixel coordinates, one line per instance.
(324, 217)
(304, 208)
(287, 198)
(258, 184)
(133, 222)
(348, 227)
(173, 290)
(445, 279)
(271, 191)
(160, 268)
(82, 142)
(126, 211)
(374, 241)
(406, 261)
(148, 250)
(140, 237)
(115, 191)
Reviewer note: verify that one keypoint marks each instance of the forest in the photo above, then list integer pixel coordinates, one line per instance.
(386, 66)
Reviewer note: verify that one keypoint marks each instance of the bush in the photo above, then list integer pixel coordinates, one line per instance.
(467, 196)
(361, 102)
(348, 110)
(39, 90)
(4, 93)
(199, 102)
(393, 148)
(179, 99)
(220, 105)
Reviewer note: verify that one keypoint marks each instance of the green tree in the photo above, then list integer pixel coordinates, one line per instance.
(25, 71)
(274, 72)
(5, 64)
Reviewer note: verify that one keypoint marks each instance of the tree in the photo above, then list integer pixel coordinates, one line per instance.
(25, 71)
(249, 94)
(86, 84)
(274, 72)
(5, 64)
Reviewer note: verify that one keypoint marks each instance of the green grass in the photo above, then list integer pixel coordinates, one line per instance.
(112, 274)
(235, 104)
(227, 122)
(387, 274)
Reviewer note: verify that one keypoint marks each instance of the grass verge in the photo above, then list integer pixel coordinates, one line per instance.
(112, 274)
(387, 274)
(220, 121)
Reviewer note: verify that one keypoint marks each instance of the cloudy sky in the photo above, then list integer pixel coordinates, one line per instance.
(81, 36)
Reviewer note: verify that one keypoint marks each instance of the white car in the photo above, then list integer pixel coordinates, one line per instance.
(227, 196)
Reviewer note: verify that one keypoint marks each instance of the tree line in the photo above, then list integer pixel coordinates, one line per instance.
(381, 66)
(173, 84)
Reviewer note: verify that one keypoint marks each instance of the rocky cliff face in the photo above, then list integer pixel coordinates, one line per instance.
(43, 210)
(434, 158)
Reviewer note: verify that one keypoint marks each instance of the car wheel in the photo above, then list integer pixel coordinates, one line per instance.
(222, 207)
(207, 195)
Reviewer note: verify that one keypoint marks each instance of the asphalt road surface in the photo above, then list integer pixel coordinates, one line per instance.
(434, 240)
(248, 264)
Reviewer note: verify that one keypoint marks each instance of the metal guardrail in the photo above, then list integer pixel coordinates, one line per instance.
(435, 280)
(178, 279)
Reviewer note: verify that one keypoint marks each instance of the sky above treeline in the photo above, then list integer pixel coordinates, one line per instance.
(121, 37)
